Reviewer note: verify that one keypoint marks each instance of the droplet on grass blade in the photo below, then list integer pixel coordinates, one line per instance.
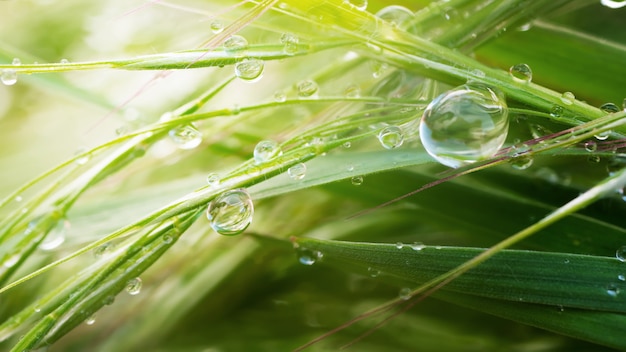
(265, 151)
(16, 62)
(609, 108)
(464, 125)
(591, 146)
(396, 15)
(307, 256)
(250, 70)
(612, 290)
(357, 180)
(133, 286)
(391, 137)
(56, 236)
(236, 45)
(568, 98)
(297, 172)
(91, 319)
(306, 88)
(8, 77)
(185, 136)
(405, 293)
(360, 5)
(612, 4)
(290, 43)
(213, 179)
(620, 254)
(521, 73)
(231, 212)
(216, 26)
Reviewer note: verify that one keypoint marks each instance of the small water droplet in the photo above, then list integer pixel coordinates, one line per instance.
(306, 88)
(594, 159)
(91, 319)
(373, 272)
(602, 136)
(396, 15)
(280, 96)
(11, 261)
(591, 146)
(418, 246)
(64, 61)
(216, 26)
(621, 277)
(8, 77)
(357, 180)
(350, 167)
(19, 199)
(556, 111)
(521, 73)
(612, 4)
(352, 91)
(231, 212)
(405, 293)
(522, 162)
(391, 137)
(290, 43)
(609, 108)
(347, 145)
(620, 254)
(612, 290)
(185, 136)
(568, 98)
(133, 286)
(250, 70)
(307, 256)
(297, 172)
(450, 13)
(168, 239)
(16, 62)
(266, 151)
(213, 179)
(464, 125)
(236, 46)
(104, 250)
(399, 245)
(84, 158)
(37, 309)
(360, 5)
(56, 236)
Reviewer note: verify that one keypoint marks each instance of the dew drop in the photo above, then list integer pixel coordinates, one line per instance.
(297, 172)
(185, 136)
(250, 70)
(621, 277)
(399, 245)
(405, 293)
(306, 88)
(396, 15)
(307, 256)
(556, 111)
(620, 254)
(16, 62)
(609, 108)
(90, 320)
(352, 91)
(347, 145)
(133, 286)
(8, 77)
(11, 261)
(280, 96)
(213, 179)
(236, 45)
(216, 26)
(231, 212)
(350, 167)
(591, 146)
(522, 162)
(521, 73)
(450, 13)
(265, 151)
(104, 250)
(594, 159)
(83, 158)
(373, 272)
(64, 61)
(568, 98)
(56, 236)
(612, 290)
(360, 5)
(391, 137)
(602, 136)
(167, 239)
(464, 125)
(290, 43)
(357, 180)
(418, 246)
(613, 4)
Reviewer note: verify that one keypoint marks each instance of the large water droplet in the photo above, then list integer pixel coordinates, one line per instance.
(236, 45)
(391, 137)
(290, 43)
(216, 26)
(521, 73)
(133, 286)
(306, 88)
(613, 4)
(360, 5)
(621, 254)
(56, 236)
(185, 136)
(568, 98)
(8, 77)
(464, 125)
(297, 172)
(522, 162)
(396, 15)
(266, 151)
(609, 108)
(418, 246)
(249, 70)
(621, 277)
(231, 212)
(307, 256)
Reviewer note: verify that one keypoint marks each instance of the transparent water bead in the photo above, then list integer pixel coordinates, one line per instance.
(405, 293)
(186, 136)
(307, 256)
(306, 88)
(609, 108)
(357, 180)
(620, 254)
(352, 91)
(8, 77)
(396, 15)
(391, 137)
(56, 236)
(231, 212)
(16, 62)
(290, 43)
(216, 26)
(133, 286)
(568, 98)
(236, 45)
(521, 73)
(360, 5)
(591, 146)
(612, 4)
(418, 246)
(249, 70)
(612, 290)
(213, 179)
(265, 151)
(556, 111)
(91, 319)
(297, 172)
(522, 162)
(464, 125)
